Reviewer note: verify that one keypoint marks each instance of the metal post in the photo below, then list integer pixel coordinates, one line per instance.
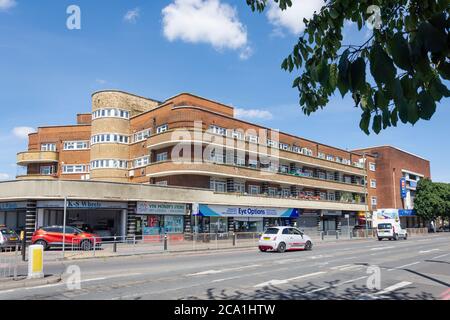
(234, 239)
(64, 227)
(115, 245)
(95, 244)
(24, 246)
(337, 235)
(322, 234)
(348, 225)
(16, 252)
(165, 242)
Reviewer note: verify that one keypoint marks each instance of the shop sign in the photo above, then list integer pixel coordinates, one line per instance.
(161, 208)
(413, 184)
(11, 206)
(406, 213)
(311, 213)
(403, 188)
(331, 212)
(225, 211)
(387, 214)
(82, 204)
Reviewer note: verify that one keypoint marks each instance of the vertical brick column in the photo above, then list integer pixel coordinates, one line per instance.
(30, 219)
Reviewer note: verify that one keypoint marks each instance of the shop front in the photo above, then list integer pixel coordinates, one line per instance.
(157, 219)
(329, 220)
(308, 221)
(222, 219)
(12, 215)
(106, 219)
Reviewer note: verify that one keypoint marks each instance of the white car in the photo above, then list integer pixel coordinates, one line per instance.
(391, 231)
(284, 238)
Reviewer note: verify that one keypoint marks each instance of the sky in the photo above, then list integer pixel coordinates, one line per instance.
(217, 49)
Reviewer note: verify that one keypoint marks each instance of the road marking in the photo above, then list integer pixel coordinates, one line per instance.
(338, 267)
(441, 256)
(336, 285)
(43, 286)
(394, 287)
(278, 282)
(207, 272)
(426, 251)
(404, 266)
(381, 248)
(225, 279)
(354, 267)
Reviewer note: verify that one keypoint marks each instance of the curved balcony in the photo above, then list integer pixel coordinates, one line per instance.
(29, 157)
(173, 137)
(167, 168)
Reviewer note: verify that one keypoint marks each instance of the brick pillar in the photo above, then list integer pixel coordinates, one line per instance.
(30, 219)
(131, 219)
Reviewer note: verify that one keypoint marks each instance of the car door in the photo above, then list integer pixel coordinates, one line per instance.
(297, 239)
(286, 237)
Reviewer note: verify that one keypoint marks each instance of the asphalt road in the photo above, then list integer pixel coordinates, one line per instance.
(418, 268)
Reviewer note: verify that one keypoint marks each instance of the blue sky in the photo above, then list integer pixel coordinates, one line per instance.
(226, 53)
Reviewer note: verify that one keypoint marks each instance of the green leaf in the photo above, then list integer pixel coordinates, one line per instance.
(333, 13)
(323, 72)
(427, 106)
(386, 118)
(434, 40)
(380, 100)
(365, 121)
(398, 47)
(343, 80)
(408, 88)
(333, 77)
(381, 66)
(413, 113)
(438, 90)
(296, 82)
(394, 117)
(376, 125)
(358, 75)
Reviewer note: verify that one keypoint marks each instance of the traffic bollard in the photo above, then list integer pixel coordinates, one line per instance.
(165, 242)
(337, 235)
(322, 234)
(24, 246)
(234, 239)
(115, 244)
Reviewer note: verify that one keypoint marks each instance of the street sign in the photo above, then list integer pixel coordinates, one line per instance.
(403, 188)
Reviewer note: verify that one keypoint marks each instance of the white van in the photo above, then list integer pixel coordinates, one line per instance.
(392, 230)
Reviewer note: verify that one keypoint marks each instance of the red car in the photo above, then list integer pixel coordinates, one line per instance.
(75, 238)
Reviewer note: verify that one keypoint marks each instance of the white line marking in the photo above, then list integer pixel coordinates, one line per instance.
(207, 272)
(394, 287)
(381, 248)
(354, 267)
(43, 286)
(337, 285)
(278, 282)
(225, 279)
(338, 267)
(441, 256)
(406, 265)
(426, 251)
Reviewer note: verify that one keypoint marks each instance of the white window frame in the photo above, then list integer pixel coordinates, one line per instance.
(141, 135)
(252, 138)
(110, 138)
(162, 128)
(321, 155)
(272, 144)
(252, 188)
(111, 113)
(330, 157)
(218, 130)
(163, 156)
(372, 166)
(49, 146)
(42, 170)
(75, 168)
(109, 164)
(76, 145)
(141, 162)
(284, 146)
(373, 183)
(373, 200)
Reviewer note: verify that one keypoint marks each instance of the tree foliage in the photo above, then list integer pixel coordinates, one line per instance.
(432, 199)
(408, 59)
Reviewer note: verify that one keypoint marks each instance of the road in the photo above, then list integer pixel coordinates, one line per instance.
(418, 268)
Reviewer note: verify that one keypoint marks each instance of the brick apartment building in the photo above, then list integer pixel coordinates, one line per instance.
(132, 166)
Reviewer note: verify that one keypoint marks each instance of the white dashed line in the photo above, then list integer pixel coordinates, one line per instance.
(278, 282)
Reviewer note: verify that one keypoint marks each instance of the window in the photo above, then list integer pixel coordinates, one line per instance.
(161, 157)
(239, 187)
(284, 146)
(286, 192)
(253, 139)
(321, 175)
(372, 166)
(110, 113)
(218, 130)
(141, 135)
(272, 192)
(141, 162)
(272, 143)
(48, 147)
(74, 169)
(253, 189)
(284, 169)
(161, 183)
(47, 170)
(109, 164)
(307, 151)
(162, 128)
(297, 149)
(237, 135)
(373, 201)
(339, 159)
(321, 155)
(109, 138)
(331, 196)
(373, 183)
(330, 158)
(253, 163)
(217, 185)
(240, 161)
(76, 145)
(215, 156)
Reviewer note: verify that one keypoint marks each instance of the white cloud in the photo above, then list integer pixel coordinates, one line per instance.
(4, 176)
(252, 114)
(292, 18)
(100, 81)
(206, 21)
(22, 132)
(132, 15)
(7, 4)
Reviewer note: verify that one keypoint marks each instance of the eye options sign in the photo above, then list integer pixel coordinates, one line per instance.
(225, 211)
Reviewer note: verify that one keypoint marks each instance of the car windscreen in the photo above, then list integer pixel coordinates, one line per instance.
(271, 231)
(6, 231)
(384, 226)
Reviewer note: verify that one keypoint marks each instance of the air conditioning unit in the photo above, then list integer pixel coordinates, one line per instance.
(131, 173)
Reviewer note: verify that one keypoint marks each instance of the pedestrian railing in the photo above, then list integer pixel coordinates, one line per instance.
(9, 262)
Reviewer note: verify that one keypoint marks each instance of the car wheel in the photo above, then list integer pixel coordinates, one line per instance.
(395, 237)
(308, 246)
(379, 239)
(281, 247)
(406, 236)
(86, 245)
(42, 243)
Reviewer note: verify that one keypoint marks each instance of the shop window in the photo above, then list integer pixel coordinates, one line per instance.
(218, 225)
(173, 224)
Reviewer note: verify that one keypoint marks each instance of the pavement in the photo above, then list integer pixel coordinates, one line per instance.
(417, 269)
